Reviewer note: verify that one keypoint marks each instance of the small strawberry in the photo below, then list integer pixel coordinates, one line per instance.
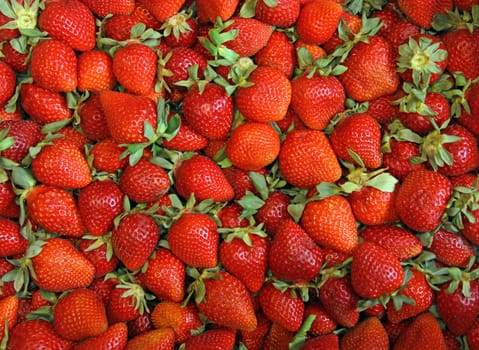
(118, 27)
(398, 159)
(278, 337)
(6, 288)
(8, 207)
(107, 156)
(424, 332)
(279, 53)
(95, 71)
(180, 30)
(274, 211)
(43, 105)
(218, 338)
(160, 339)
(340, 301)
(210, 10)
(18, 61)
(99, 253)
(422, 12)
(134, 239)
(126, 302)
(451, 249)
(11, 240)
(7, 86)
(252, 36)
(139, 325)
(115, 338)
(383, 110)
(194, 239)
(162, 9)
(323, 322)
(283, 14)
(39, 332)
(101, 8)
(79, 314)
(368, 334)
(178, 60)
(103, 288)
(230, 216)
(25, 133)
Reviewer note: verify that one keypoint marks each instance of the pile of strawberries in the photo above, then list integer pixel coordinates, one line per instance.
(239, 174)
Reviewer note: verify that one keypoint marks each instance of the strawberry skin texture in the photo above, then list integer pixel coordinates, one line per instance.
(451, 249)
(424, 332)
(115, 338)
(7, 85)
(158, 339)
(101, 8)
(11, 240)
(59, 267)
(340, 301)
(9, 312)
(462, 51)
(209, 10)
(278, 53)
(284, 14)
(26, 134)
(422, 199)
(422, 12)
(98, 257)
(95, 71)
(368, 334)
(40, 335)
(252, 36)
(211, 339)
(162, 9)
(227, 302)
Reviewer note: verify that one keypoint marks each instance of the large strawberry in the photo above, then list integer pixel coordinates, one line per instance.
(278, 53)
(115, 338)
(368, 334)
(39, 332)
(283, 14)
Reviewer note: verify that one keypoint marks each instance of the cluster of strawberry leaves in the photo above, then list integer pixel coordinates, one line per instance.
(239, 174)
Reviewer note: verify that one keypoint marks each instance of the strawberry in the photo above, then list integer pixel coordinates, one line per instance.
(388, 16)
(252, 36)
(162, 9)
(318, 21)
(375, 271)
(62, 165)
(209, 112)
(100, 256)
(329, 341)
(209, 10)
(180, 30)
(118, 27)
(160, 339)
(25, 133)
(472, 336)
(59, 267)
(70, 21)
(39, 332)
(400, 33)
(8, 207)
(335, 229)
(134, 239)
(18, 61)
(254, 340)
(194, 239)
(227, 303)
(278, 53)
(419, 291)
(278, 337)
(8, 313)
(126, 114)
(281, 307)
(43, 105)
(165, 276)
(134, 67)
(176, 67)
(398, 159)
(422, 12)
(11, 240)
(79, 314)
(423, 333)
(115, 338)
(186, 139)
(95, 71)
(203, 177)
(274, 211)
(102, 8)
(103, 287)
(317, 99)
(352, 22)
(5, 116)
(55, 210)
(139, 325)
(99, 203)
(6, 288)
(293, 255)
(210, 339)
(451, 249)
(383, 110)
(183, 319)
(371, 70)
(229, 216)
(462, 49)
(283, 14)
(469, 119)
(361, 134)
(400, 242)
(267, 100)
(323, 322)
(125, 303)
(106, 156)
(7, 86)
(422, 199)
(368, 334)
(314, 152)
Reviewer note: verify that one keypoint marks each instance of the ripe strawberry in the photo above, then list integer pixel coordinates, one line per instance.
(361, 134)
(139, 325)
(210, 112)
(317, 100)
(8, 207)
(165, 276)
(278, 337)
(312, 150)
(230, 216)
(283, 14)
(424, 332)
(203, 177)
(134, 239)
(25, 133)
(469, 119)
(227, 302)
(422, 199)
(161, 339)
(329, 341)
(462, 50)
(103, 287)
(371, 70)
(254, 340)
(335, 229)
(125, 304)
(281, 307)
(7, 85)
(383, 110)
(194, 239)
(5, 116)
(79, 314)
(60, 267)
(98, 256)
(43, 105)
(323, 322)
(73, 135)
(398, 159)
(186, 139)
(273, 212)
(115, 338)
(118, 27)
(101, 8)
(354, 24)
(55, 210)
(126, 115)
(368, 334)
(209, 10)
(18, 61)
(8, 313)
(388, 16)
(267, 100)
(62, 165)
(472, 336)
(218, 338)
(293, 255)
(162, 9)
(417, 289)
(7, 288)
(11, 240)
(246, 258)
(318, 20)
(252, 36)
(106, 156)
(39, 332)
(183, 319)
(70, 21)
(180, 30)
(279, 53)
(99, 203)
(422, 12)
(451, 249)
(95, 71)
(400, 242)
(176, 67)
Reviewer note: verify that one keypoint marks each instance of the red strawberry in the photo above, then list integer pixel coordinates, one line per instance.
(180, 30)
(323, 322)
(126, 303)
(254, 340)
(101, 8)
(230, 216)
(55, 209)
(281, 307)
(7, 288)
(165, 276)
(162, 9)
(126, 115)
(451, 249)
(106, 156)
(382, 109)
(194, 239)
(70, 21)
(95, 71)
(398, 159)
(472, 336)
(274, 211)
(39, 332)
(278, 53)
(43, 105)
(118, 27)
(176, 67)
(354, 24)
(278, 337)
(424, 332)
(161, 339)
(139, 325)
(283, 14)
(469, 119)
(115, 338)
(252, 36)
(368, 334)
(422, 199)
(209, 10)
(218, 338)
(25, 133)
(16, 60)
(134, 239)
(79, 314)
(7, 86)
(330, 342)
(462, 50)
(8, 313)
(422, 12)
(99, 256)
(203, 177)
(11, 240)
(8, 207)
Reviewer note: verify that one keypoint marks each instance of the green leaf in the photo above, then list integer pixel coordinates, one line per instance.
(6, 143)
(384, 182)
(23, 178)
(135, 157)
(173, 127)
(296, 211)
(259, 183)
(148, 131)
